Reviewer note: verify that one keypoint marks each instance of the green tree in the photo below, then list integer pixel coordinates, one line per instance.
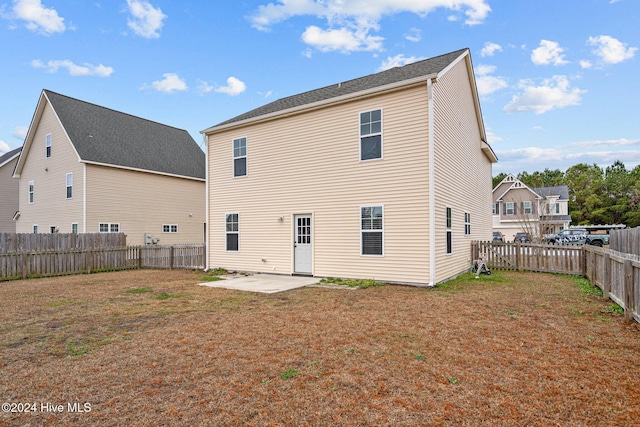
(585, 184)
(617, 183)
(498, 179)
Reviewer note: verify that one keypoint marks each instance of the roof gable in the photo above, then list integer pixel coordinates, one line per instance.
(417, 70)
(103, 136)
(8, 156)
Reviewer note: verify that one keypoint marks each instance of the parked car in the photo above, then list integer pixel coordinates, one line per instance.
(498, 236)
(579, 236)
(522, 237)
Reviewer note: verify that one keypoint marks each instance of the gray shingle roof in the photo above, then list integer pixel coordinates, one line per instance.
(558, 190)
(6, 156)
(393, 75)
(107, 136)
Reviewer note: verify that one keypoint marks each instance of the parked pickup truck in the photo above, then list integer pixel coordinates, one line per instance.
(579, 236)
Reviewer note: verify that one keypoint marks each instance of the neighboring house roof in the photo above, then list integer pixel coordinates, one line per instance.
(562, 191)
(112, 138)
(10, 155)
(515, 184)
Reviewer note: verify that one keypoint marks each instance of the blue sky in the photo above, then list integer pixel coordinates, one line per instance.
(558, 80)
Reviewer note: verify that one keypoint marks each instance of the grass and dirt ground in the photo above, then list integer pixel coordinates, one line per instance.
(151, 348)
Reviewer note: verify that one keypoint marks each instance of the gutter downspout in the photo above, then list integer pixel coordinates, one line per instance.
(432, 187)
(84, 197)
(205, 139)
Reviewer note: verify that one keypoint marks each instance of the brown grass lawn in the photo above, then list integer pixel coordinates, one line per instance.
(152, 348)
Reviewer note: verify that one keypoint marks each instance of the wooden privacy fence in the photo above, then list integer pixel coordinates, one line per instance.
(618, 275)
(566, 259)
(38, 255)
(626, 240)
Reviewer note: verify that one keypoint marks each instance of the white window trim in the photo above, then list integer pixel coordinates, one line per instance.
(467, 223)
(76, 224)
(170, 226)
(372, 205)
(246, 157)
(231, 232)
(513, 208)
(448, 229)
(109, 226)
(48, 144)
(35, 228)
(381, 133)
(495, 209)
(525, 210)
(69, 175)
(32, 192)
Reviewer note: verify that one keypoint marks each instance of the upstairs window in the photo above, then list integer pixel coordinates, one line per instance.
(240, 157)
(371, 135)
(527, 209)
(31, 191)
(496, 208)
(47, 144)
(509, 208)
(69, 185)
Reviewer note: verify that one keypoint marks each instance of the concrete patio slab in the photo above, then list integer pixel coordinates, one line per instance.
(265, 283)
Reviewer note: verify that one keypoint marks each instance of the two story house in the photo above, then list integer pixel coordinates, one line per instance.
(386, 176)
(536, 211)
(85, 168)
(8, 191)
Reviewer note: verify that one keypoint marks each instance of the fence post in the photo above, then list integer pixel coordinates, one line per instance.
(170, 257)
(628, 289)
(606, 280)
(518, 256)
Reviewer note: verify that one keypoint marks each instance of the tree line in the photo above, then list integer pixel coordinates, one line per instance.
(596, 195)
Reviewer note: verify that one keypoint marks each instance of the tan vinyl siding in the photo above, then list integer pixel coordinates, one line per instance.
(9, 195)
(310, 164)
(51, 206)
(462, 172)
(142, 202)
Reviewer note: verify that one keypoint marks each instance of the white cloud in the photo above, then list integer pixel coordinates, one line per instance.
(39, 18)
(234, 87)
(553, 93)
(204, 87)
(548, 52)
(343, 40)
(611, 50)
(20, 132)
(4, 147)
(585, 64)
(492, 137)
(171, 83)
(487, 84)
(398, 61)
(621, 142)
(146, 20)
(414, 35)
(74, 70)
(349, 23)
(490, 48)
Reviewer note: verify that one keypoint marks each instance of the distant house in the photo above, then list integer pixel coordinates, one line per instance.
(8, 191)
(86, 168)
(386, 176)
(537, 211)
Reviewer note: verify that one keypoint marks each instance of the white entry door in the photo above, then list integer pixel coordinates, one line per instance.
(303, 249)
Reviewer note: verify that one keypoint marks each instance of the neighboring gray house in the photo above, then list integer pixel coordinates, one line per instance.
(86, 168)
(537, 211)
(8, 191)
